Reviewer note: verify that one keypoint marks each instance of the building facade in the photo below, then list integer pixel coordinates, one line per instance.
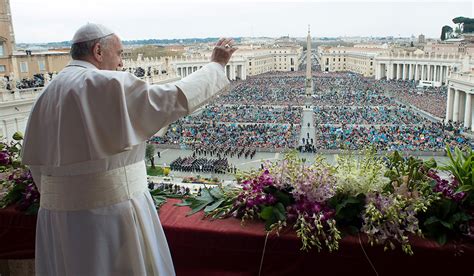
(245, 62)
(18, 65)
(460, 99)
(418, 66)
(355, 59)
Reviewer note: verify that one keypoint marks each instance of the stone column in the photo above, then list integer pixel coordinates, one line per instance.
(462, 105)
(422, 72)
(449, 102)
(232, 72)
(437, 73)
(468, 111)
(416, 71)
(410, 71)
(456, 106)
(472, 116)
(443, 72)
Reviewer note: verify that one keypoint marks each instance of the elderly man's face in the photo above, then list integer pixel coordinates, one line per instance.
(113, 55)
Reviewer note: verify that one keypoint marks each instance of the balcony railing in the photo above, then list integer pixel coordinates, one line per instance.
(431, 56)
(467, 77)
(20, 94)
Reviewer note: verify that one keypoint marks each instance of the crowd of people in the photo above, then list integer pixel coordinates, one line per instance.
(349, 111)
(429, 99)
(250, 114)
(193, 164)
(235, 135)
(224, 150)
(267, 89)
(427, 136)
(366, 115)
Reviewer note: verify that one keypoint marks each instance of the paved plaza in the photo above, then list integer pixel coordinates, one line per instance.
(168, 155)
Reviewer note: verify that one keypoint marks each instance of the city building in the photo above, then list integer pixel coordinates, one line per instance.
(247, 61)
(417, 66)
(18, 65)
(357, 59)
(421, 39)
(460, 96)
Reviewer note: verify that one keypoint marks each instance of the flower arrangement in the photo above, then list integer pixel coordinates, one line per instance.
(388, 198)
(16, 184)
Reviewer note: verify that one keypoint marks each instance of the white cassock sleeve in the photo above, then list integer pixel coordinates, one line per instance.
(92, 114)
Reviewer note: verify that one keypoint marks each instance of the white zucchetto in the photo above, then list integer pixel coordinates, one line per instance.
(91, 31)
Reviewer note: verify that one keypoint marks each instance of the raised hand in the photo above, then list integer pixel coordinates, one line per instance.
(223, 51)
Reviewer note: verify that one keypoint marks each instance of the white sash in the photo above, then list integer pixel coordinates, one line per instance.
(90, 191)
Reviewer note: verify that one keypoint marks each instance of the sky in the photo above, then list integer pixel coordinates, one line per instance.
(37, 21)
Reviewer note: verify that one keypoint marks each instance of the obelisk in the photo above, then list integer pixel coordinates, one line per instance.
(309, 82)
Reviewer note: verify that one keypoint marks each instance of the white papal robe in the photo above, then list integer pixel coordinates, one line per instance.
(85, 145)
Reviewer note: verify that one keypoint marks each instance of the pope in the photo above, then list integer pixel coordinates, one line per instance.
(85, 146)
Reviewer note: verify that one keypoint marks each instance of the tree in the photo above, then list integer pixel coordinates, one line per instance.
(464, 24)
(446, 32)
(150, 154)
(459, 20)
(468, 25)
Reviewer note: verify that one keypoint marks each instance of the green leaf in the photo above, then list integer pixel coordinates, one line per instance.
(197, 206)
(266, 212)
(213, 206)
(464, 188)
(442, 239)
(13, 149)
(446, 224)
(430, 164)
(216, 192)
(282, 197)
(431, 220)
(280, 207)
(17, 136)
(280, 216)
(205, 195)
(182, 204)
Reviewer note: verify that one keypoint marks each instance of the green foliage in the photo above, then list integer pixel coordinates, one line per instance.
(14, 195)
(468, 28)
(459, 19)
(18, 136)
(465, 24)
(150, 154)
(216, 202)
(446, 32)
(408, 174)
(348, 211)
(157, 171)
(444, 220)
(272, 215)
(160, 197)
(462, 167)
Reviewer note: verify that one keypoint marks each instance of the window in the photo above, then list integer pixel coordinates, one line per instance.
(3, 68)
(23, 67)
(2, 49)
(41, 65)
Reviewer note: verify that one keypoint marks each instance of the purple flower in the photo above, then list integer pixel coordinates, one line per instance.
(447, 188)
(4, 158)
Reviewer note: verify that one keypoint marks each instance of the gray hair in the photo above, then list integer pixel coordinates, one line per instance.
(81, 50)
